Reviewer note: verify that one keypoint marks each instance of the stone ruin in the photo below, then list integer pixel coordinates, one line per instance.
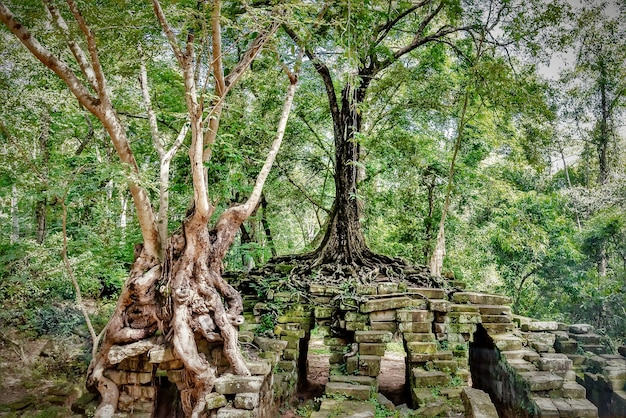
(466, 354)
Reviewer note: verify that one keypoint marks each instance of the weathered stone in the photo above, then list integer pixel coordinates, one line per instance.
(452, 393)
(363, 289)
(301, 320)
(383, 316)
(464, 317)
(541, 326)
(418, 337)
(422, 396)
(455, 307)
(433, 409)
(545, 407)
(384, 326)
(494, 310)
(229, 412)
(355, 380)
(120, 377)
(478, 404)
(439, 305)
(323, 312)
(245, 337)
(429, 378)
(384, 401)
(528, 355)
(428, 292)
(419, 327)
(583, 408)
(538, 381)
(345, 409)
(522, 365)
(587, 338)
(594, 348)
(581, 328)
(480, 298)
(355, 326)
(448, 366)
(140, 392)
(356, 317)
(161, 354)
(463, 328)
(385, 304)
(566, 346)
(372, 337)
(291, 354)
(440, 328)
(364, 365)
(507, 342)
(335, 341)
(387, 288)
(577, 359)
(565, 409)
(554, 362)
(270, 344)
(316, 289)
(246, 400)
(560, 335)
(215, 400)
(175, 376)
(422, 347)
(361, 392)
(496, 319)
(230, 384)
(374, 349)
(573, 390)
(495, 328)
(405, 315)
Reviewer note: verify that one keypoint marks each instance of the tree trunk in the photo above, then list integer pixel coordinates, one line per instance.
(15, 220)
(42, 204)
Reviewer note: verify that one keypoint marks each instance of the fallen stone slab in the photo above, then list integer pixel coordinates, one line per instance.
(477, 404)
(230, 384)
(545, 407)
(360, 392)
(372, 337)
(345, 409)
(554, 362)
(541, 326)
(580, 328)
(494, 310)
(583, 408)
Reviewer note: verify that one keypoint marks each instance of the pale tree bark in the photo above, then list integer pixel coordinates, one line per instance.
(15, 220)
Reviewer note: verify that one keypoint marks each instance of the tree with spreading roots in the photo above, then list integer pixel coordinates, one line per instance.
(175, 288)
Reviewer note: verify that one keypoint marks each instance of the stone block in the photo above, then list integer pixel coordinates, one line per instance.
(429, 378)
(455, 307)
(385, 304)
(477, 404)
(317, 289)
(270, 344)
(361, 392)
(161, 354)
(507, 342)
(246, 400)
(573, 390)
(496, 328)
(354, 316)
(560, 335)
(480, 298)
(583, 408)
(230, 412)
(229, 384)
(594, 348)
(323, 312)
(121, 377)
(383, 316)
(540, 326)
(171, 365)
(364, 365)
(464, 317)
(428, 292)
(462, 328)
(539, 381)
(565, 409)
(422, 347)
(587, 338)
(140, 392)
(577, 359)
(215, 400)
(372, 337)
(355, 380)
(545, 407)
(405, 315)
(387, 288)
(418, 327)
(526, 354)
(286, 365)
(384, 326)
(176, 376)
(494, 310)
(581, 328)
(136, 364)
(344, 409)
(373, 349)
(335, 341)
(566, 346)
(291, 354)
(522, 365)
(496, 319)
(422, 396)
(363, 289)
(556, 362)
(418, 337)
(335, 358)
(439, 305)
(448, 366)
(355, 326)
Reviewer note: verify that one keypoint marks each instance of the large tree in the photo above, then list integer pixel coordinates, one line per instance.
(175, 284)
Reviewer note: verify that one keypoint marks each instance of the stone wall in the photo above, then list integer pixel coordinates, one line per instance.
(453, 340)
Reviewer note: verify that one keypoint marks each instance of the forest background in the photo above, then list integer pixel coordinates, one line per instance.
(515, 127)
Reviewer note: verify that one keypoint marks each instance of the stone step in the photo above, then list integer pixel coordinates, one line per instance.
(345, 409)
(494, 310)
(581, 328)
(541, 380)
(372, 337)
(573, 390)
(560, 407)
(541, 326)
(526, 354)
(492, 328)
(496, 319)
(480, 298)
(429, 378)
(522, 365)
(587, 338)
(349, 390)
(554, 362)
(566, 346)
(507, 342)
(594, 348)
(355, 380)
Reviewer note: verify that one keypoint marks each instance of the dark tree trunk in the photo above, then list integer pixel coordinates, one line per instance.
(42, 204)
